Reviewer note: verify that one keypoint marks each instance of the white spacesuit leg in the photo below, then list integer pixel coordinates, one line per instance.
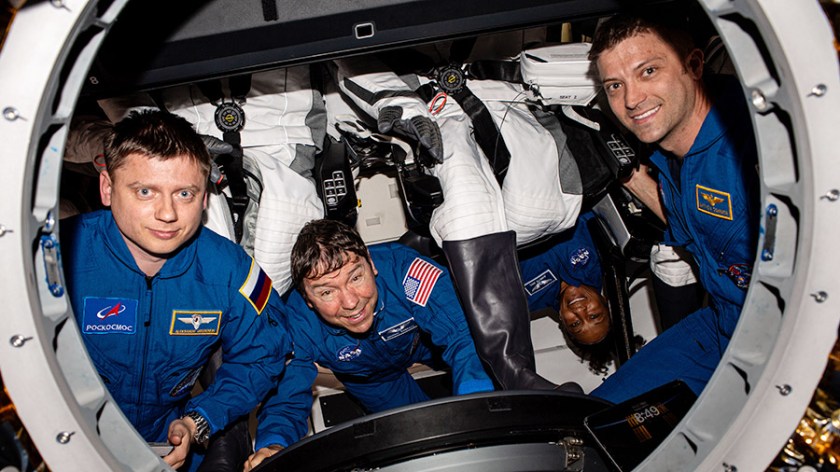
(537, 203)
(471, 228)
(217, 216)
(371, 86)
(285, 124)
(542, 191)
(287, 203)
(472, 204)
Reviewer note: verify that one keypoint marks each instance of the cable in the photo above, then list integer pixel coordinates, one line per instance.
(511, 102)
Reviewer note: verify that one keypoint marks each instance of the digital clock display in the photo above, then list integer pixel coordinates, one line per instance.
(629, 431)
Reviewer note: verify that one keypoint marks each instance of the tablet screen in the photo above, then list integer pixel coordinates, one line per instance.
(629, 431)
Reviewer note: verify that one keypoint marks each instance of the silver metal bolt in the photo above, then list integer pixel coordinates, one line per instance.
(11, 113)
(4, 230)
(766, 255)
(819, 90)
(64, 437)
(49, 224)
(18, 340)
(832, 195)
(784, 389)
(759, 101)
(820, 296)
(729, 468)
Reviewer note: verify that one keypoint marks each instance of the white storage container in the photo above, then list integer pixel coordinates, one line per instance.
(560, 74)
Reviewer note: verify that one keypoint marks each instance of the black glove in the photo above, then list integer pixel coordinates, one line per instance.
(419, 128)
(216, 147)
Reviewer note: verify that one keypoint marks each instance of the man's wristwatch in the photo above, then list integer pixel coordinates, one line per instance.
(202, 427)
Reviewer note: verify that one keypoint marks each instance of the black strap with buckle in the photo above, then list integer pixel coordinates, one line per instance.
(452, 80)
(230, 119)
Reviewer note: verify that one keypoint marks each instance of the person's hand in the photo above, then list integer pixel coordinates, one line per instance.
(646, 189)
(420, 128)
(256, 458)
(181, 432)
(216, 146)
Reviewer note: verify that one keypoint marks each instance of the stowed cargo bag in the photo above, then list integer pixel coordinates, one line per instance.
(562, 76)
(559, 74)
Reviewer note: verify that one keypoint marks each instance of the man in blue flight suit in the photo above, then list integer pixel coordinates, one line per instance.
(567, 278)
(706, 157)
(368, 315)
(155, 295)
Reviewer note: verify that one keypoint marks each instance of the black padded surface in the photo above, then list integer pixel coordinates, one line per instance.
(157, 43)
(341, 407)
(440, 426)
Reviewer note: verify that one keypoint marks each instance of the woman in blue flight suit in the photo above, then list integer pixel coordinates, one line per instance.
(567, 278)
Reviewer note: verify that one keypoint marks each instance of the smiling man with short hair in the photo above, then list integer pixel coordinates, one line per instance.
(155, 294)
(707, 189)
(367, 314)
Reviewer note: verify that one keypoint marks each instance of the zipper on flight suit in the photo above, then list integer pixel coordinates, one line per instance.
(147, 321)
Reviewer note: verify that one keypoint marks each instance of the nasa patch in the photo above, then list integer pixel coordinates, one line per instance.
(195, 323)
(579, 258)
(109, 316)
(348, 353)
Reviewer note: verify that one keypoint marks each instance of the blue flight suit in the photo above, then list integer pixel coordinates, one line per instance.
(149, 337)
(572, 259)
(712, 208)
(418, 319)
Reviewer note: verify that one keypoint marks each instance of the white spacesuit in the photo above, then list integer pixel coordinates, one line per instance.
(284, 127)
(541, 192)
(532, 190)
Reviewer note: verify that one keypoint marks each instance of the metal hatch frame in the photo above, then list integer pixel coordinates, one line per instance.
(785, 58)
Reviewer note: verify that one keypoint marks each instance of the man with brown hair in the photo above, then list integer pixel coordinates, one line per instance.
(707, 191)
(155, 295)
(367, 314)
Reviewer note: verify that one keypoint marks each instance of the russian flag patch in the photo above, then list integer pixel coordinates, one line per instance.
(420, 281)
(257, 287)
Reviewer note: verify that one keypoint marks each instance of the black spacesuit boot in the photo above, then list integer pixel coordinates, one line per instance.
(486, 274)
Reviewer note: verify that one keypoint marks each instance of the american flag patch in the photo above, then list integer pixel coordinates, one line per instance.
(420, 280)
(257, 287)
